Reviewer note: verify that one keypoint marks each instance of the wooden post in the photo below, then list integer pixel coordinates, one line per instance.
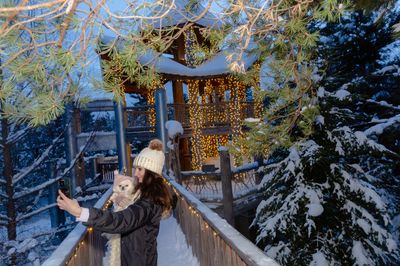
(226, 179)
(176, 164)
(57, 216)
(161, 116)
(258, 176)
(121, 139)
(70, 144)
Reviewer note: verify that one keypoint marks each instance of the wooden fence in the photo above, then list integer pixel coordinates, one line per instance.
(214, 242)
(83, 246)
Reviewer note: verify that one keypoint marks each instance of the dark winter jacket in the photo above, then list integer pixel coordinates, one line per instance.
(138, 225)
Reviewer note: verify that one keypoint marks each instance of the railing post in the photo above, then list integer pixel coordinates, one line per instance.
(161, 116)
(226, 180)
(120, 130)
(176, 164)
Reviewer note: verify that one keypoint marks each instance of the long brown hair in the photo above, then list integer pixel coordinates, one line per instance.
(154, 188)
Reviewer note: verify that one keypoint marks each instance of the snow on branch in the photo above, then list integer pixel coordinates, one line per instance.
(35, 201)
(25, 171)
(358, 212)
(384, 103)
(383, 124)
(3, 217)
(28, 215)
(14, 137)
(52, 181)
(3, 195)
(43, 185)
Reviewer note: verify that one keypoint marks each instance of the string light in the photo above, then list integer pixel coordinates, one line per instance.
(196, 122)
(89, 231)
(191, 210)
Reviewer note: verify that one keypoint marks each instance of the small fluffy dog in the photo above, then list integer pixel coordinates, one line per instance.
(125, 193)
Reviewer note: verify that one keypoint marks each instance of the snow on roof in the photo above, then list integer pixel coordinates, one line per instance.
(179, 14)
(217, 65)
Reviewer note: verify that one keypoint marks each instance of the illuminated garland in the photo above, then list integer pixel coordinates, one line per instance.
(203, 223)
(196, 123)
(223, 140)
(258, 105)
(82, 243)
(222, 111)
(235, 109)
(150, 96)
(210, 145)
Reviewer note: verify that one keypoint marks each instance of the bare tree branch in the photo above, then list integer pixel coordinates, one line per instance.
(25, 171)
(28, 215)
(20, 8)
(54, 180)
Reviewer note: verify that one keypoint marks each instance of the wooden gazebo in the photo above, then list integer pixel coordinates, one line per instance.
(216, 106)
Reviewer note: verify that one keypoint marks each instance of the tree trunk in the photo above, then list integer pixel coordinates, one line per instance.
(8, 174)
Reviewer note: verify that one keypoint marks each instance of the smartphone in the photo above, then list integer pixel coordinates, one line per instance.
(62, 185)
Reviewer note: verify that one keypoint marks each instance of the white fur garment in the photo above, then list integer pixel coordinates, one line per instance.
(113, 253)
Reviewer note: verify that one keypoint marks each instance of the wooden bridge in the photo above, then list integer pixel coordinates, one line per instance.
(214, 241)
(211, 234)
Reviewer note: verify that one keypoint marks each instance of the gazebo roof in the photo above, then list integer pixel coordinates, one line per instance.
(178, 14)
(218, 65)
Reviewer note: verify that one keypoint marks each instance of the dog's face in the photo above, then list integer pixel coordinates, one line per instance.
(125, 187)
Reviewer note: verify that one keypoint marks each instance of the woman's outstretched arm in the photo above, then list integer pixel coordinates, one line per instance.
(69, 205)
(121, 222)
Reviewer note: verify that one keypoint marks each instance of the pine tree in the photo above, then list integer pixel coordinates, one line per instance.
(319, 202)
(331, 198)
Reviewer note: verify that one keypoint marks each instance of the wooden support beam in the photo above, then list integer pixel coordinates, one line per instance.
(226, 179)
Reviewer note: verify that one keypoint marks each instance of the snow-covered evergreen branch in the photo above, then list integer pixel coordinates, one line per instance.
(385, 104)
(382, 125)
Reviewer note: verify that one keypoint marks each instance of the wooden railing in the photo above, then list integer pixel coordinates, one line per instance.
(83, 246)
(213, 114)
(214, 242)
(225, 185)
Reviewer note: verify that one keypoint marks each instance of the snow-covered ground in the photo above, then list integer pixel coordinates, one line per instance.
(172, 247)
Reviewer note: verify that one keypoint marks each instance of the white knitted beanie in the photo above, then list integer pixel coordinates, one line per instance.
(151, 158)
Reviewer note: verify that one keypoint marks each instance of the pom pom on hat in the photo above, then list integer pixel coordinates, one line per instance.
(156, 144)
(151, 158)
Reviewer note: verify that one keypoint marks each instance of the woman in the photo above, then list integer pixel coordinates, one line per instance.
(139, 223)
